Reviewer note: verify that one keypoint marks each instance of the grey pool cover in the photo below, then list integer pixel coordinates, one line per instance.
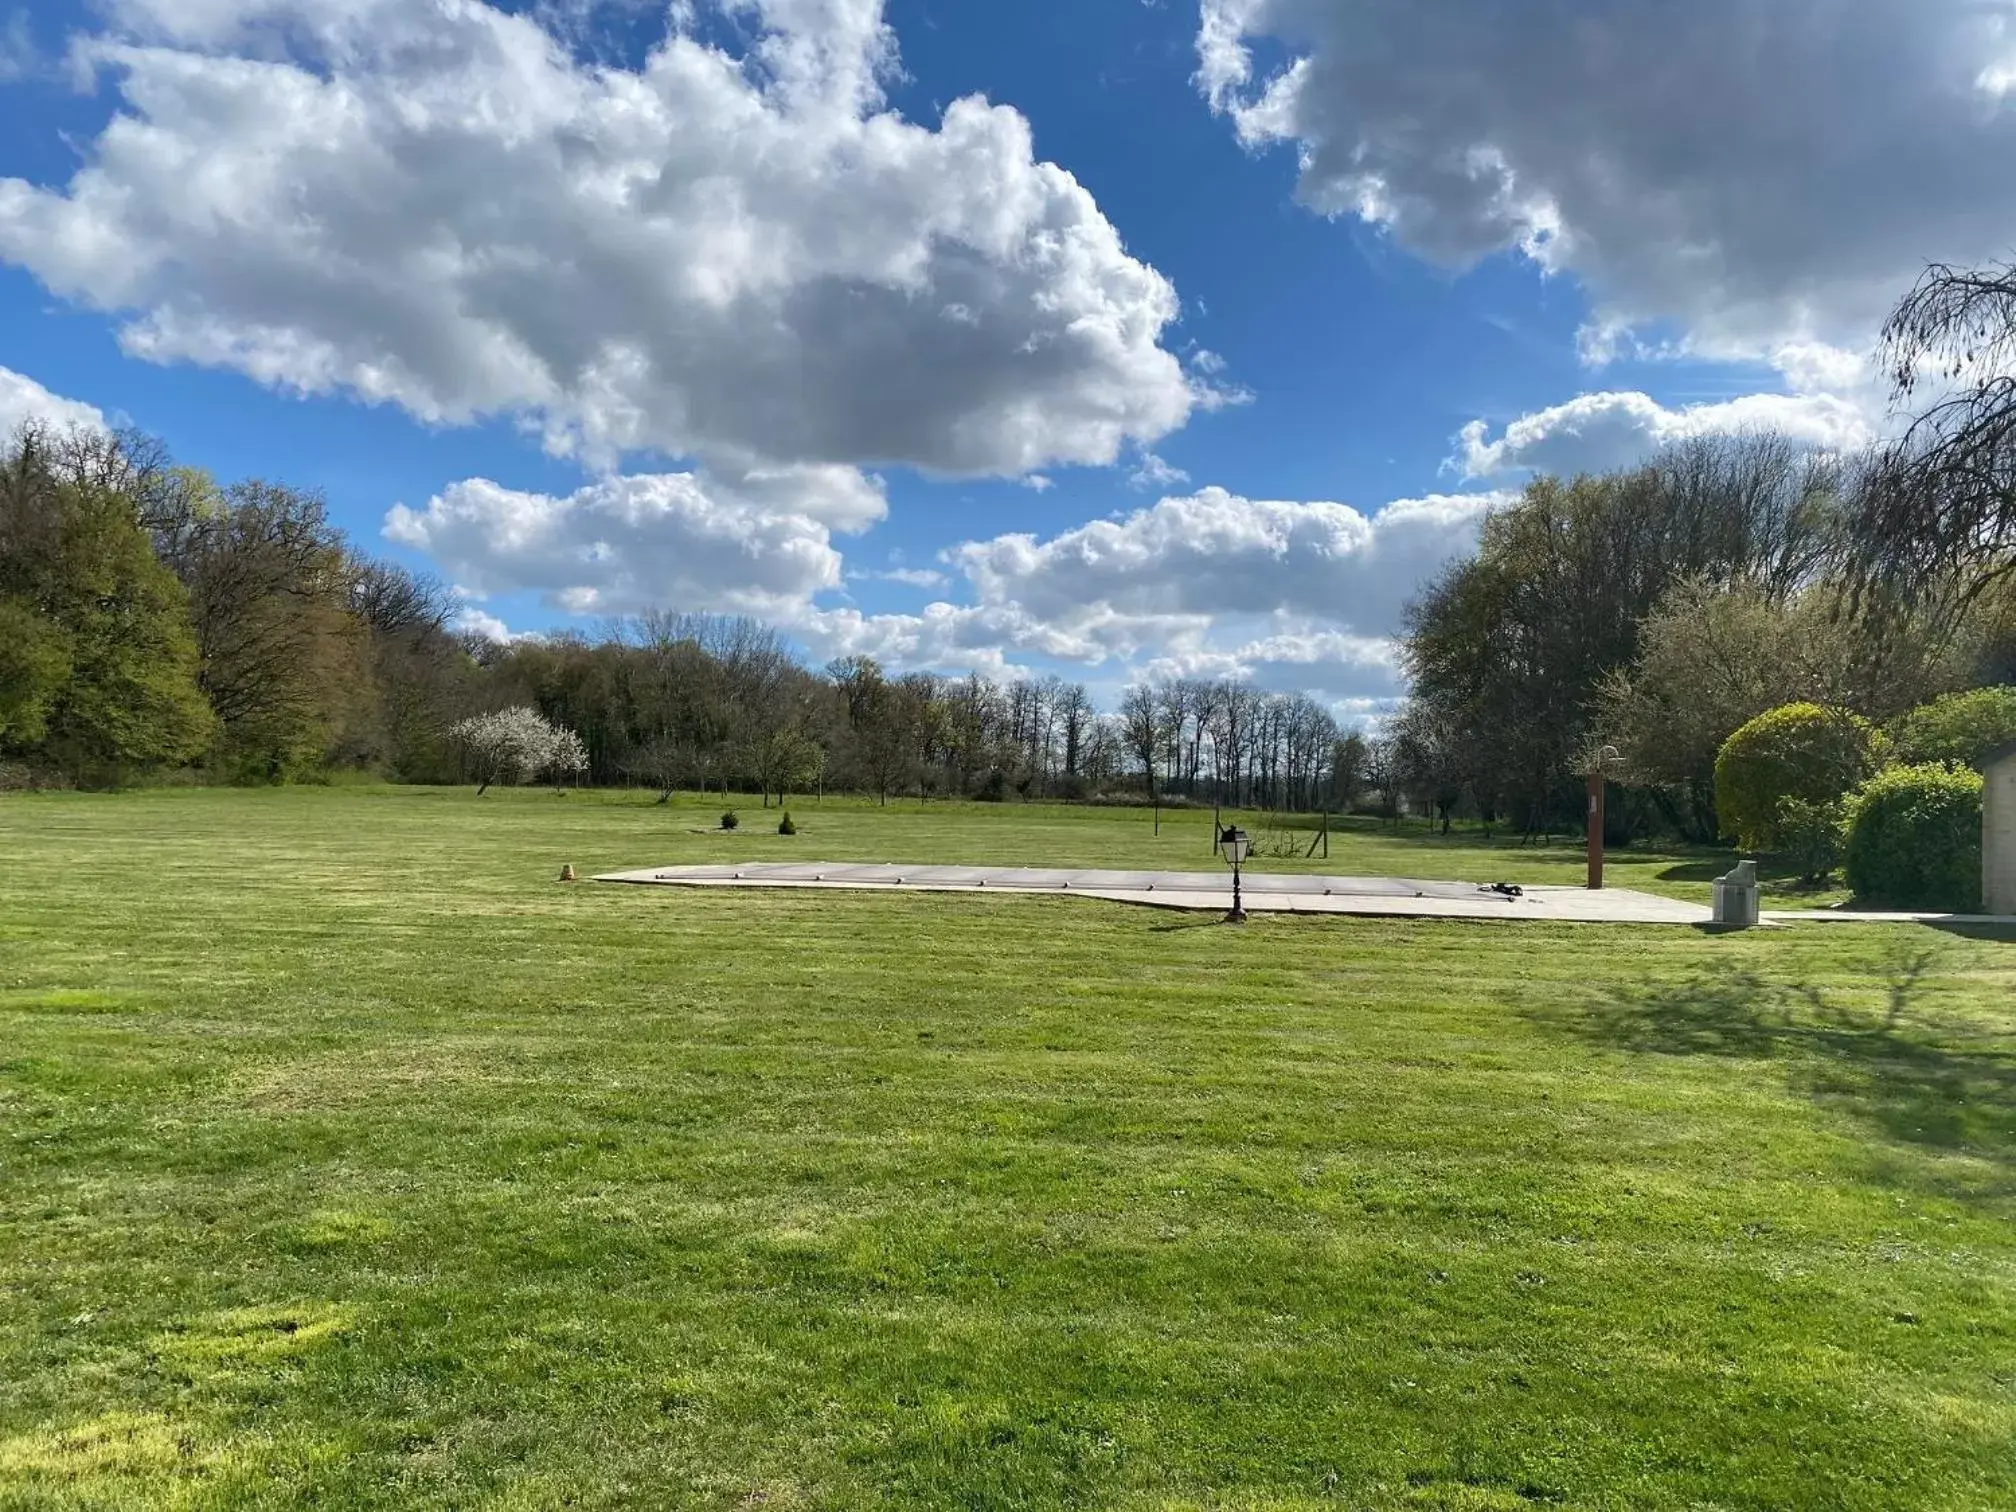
(1265, 892)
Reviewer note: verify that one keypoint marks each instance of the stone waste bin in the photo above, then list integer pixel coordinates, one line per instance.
(1736, 902)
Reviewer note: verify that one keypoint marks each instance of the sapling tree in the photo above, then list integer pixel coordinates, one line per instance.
(567, 755)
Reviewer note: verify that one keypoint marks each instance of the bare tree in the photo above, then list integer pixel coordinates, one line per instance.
(1075, 716)
(1349, 758)
(1383, 775)
(1141, 723)
(1235, 710)
(1938, 509)
(889, 735)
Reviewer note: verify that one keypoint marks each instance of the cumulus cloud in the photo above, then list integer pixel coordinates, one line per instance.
(1337, 667)
(1287, 594)
(484, 625)
(942, 637)
(1290, 594)
(1601, 432)
(23, 401)
(909, 577)
(737, 255)
(623, 544)
(1214, 555)
(1153, 472)
(1768, 176)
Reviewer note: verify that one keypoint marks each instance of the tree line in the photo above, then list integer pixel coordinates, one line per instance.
(1661, 608)
(153, 620)
(713, 703)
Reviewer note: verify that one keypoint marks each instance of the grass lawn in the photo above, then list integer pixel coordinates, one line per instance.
(347, 1159)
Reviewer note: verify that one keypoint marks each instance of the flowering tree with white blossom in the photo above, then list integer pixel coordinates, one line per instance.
(517, 745)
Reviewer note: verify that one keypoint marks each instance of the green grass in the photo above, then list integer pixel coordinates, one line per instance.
(346, 1159)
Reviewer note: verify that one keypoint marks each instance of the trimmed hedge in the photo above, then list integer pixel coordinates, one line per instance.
(1914, 838)
(1800, 751)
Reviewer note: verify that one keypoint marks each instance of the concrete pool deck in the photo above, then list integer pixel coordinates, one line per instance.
(1204, 892)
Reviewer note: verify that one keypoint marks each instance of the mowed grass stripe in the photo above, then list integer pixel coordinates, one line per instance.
(347, 1156)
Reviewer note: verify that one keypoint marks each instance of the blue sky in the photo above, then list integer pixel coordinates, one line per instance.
(734, 305)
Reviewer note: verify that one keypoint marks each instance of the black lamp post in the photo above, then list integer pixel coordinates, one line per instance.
(1233, 842)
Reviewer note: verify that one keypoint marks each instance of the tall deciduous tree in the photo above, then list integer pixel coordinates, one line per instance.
(285, 661)
(101, 679)
(1511, 648)
(34, 670)
(1141, 722)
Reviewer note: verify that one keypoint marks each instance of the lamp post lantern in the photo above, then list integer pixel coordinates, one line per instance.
(1236, 846)
(1600, 766)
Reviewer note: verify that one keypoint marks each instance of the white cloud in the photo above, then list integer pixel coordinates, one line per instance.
(739, 257)
(677, 540)
(1215, 555)
(1288, 595)
(24, 401)
(1766, 175)
(1332, 665)
(1301, 595)
(910, 577)
(1153, 472)
(478, 622)
(18, 55)
(1601, 432)
(944, 637)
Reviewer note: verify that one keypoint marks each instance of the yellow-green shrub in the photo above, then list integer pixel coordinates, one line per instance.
(1801, 751)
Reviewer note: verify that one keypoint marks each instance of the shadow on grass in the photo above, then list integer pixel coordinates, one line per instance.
(1783, 881)
(1204, 921)
(1886, 1056)
(2000, 934)
(1702, 871)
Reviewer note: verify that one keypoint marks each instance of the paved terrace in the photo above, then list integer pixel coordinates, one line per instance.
(1204, 892)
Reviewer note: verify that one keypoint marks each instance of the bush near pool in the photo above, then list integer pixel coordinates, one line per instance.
(1914, 838)
(1801, 751)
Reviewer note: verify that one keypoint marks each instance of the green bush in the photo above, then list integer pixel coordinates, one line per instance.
(787, 827)
(1798, 751)
(1811, 835)
(730, 820)
(1959, 729)
(1914, 838)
